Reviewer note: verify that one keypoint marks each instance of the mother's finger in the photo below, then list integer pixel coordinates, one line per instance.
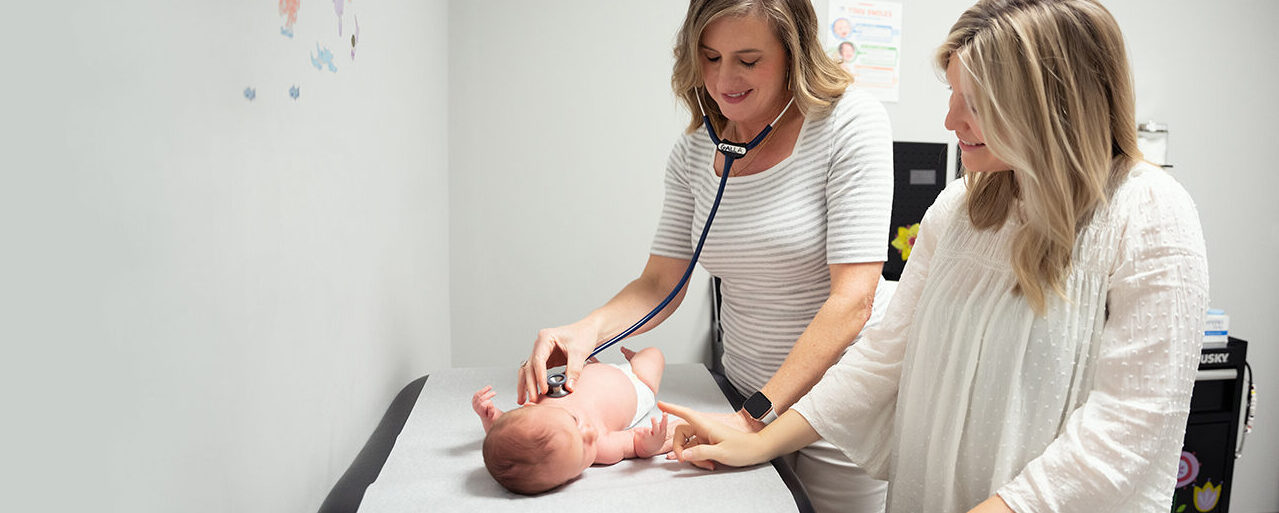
(683, 441)
(702, 455)
(706, 465)
(684, 435)
(703, 425)
(682, 412)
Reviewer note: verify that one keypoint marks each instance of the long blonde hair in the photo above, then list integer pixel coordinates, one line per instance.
(814, 78)
(1050, 83)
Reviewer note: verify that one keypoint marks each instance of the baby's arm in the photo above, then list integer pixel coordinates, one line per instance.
(640, 442)
(482, 403)
(614, 447)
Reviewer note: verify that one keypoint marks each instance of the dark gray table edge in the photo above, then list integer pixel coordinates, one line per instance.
(783, 469)
(348, 492)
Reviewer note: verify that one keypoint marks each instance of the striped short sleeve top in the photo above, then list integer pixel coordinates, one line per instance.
(777, 231)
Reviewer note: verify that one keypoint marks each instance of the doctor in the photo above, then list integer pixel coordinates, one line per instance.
(801, 234)
(1041, 350)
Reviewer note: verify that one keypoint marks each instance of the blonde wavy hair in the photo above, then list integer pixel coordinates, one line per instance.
(814, 78)
(1051, 86)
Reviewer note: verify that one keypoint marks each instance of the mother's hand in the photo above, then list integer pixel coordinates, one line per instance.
(566, 345)
(705, 440)
(738, 420)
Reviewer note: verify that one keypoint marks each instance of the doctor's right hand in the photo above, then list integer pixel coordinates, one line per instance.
(566, 345)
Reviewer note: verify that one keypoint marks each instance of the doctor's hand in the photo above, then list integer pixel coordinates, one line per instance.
(566, 345)
(704, 441)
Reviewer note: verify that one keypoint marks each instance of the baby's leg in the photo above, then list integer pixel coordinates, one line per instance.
(647, 365)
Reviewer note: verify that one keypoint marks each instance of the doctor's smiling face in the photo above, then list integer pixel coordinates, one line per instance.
(962, 119)
(744, 68)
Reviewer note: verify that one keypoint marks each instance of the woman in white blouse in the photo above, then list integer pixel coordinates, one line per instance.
(1041, 349)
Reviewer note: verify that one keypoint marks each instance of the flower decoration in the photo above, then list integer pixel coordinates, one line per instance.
(1206, 497)
(905, 240)
(1187, 469)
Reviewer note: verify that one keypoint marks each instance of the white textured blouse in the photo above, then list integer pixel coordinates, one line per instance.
(962, 391)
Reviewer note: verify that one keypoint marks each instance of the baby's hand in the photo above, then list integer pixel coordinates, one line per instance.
(654, 440)
(482, 403)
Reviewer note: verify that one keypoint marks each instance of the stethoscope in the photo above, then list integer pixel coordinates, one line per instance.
(732, 151)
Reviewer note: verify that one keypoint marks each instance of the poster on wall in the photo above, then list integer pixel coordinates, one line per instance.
(865, 37)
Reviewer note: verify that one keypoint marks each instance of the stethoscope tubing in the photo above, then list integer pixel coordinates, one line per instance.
(731, 152)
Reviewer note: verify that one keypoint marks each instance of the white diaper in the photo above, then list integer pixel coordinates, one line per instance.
(644, 398)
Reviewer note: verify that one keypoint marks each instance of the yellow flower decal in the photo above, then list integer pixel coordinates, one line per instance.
(905, 240)
(1206, 497)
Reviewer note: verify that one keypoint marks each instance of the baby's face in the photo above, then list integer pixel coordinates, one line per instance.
(567, 456)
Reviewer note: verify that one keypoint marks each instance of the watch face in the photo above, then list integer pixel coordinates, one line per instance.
(757, 405)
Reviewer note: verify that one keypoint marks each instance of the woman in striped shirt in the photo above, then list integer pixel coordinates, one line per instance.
(801, 235)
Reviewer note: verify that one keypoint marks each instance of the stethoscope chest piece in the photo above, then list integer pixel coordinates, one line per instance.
(555, 385)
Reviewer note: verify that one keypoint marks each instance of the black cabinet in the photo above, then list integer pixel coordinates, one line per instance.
(1208, 453)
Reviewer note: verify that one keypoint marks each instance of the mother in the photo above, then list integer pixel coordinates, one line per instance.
(1041, 350)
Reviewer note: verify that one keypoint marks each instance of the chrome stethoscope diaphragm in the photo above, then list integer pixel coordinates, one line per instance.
(555, 385)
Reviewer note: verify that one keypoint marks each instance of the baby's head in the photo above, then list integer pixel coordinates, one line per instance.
(538, 447)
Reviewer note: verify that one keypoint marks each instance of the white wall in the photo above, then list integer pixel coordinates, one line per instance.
(561, 122)
(209, 302)
(206, 303)
(554, 222)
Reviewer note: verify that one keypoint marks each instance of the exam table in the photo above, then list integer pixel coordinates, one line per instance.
(424, 455)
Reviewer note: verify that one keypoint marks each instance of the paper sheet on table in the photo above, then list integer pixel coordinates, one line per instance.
(436, 463)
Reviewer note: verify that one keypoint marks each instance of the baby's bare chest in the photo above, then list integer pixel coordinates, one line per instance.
(604, 393)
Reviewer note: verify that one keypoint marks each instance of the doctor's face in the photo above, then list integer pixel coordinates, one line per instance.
(744, 66)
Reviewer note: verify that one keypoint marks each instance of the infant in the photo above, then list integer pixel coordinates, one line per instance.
(545, 444)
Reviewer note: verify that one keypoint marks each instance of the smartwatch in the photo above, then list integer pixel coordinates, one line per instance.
(760, 408)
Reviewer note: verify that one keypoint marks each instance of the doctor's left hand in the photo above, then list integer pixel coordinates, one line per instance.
(704, 441)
